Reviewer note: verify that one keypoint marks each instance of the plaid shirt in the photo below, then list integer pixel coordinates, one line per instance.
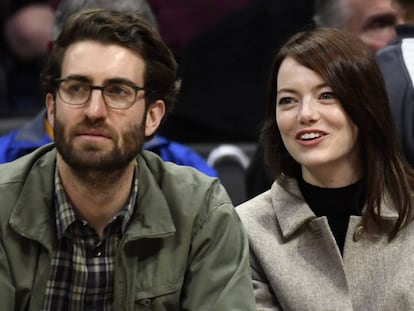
(83, 265)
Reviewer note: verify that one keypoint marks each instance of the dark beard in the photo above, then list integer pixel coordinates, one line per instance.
(89, 160)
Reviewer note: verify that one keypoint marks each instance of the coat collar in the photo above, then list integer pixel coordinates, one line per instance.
(292, 212)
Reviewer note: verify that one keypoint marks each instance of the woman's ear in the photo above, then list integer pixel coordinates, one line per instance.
(155, 113)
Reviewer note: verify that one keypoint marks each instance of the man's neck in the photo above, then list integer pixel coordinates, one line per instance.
(100, 196)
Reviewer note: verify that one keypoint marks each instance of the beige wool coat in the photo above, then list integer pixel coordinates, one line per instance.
(297, 266)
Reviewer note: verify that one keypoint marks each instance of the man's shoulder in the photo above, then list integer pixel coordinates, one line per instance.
(183, 187)
(17, 178)
(179, 173)
(387, 51)
(17, 170)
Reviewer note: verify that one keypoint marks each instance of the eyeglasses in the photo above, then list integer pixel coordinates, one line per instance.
(117, 95)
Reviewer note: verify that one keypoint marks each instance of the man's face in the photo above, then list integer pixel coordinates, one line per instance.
(94, 136)
(373, 21)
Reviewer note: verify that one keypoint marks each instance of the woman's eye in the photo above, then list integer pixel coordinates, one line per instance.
(285, 101)
(327, 95)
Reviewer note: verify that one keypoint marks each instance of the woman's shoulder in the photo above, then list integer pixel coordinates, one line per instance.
(283, 189)
(258, 216)
(256, 207)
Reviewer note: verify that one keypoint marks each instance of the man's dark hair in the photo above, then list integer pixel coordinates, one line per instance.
(129, 30)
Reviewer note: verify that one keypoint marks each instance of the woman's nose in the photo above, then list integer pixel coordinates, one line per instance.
(308, 112)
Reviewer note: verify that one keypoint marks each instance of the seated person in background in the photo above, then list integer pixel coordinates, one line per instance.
(397, 65)
(335, 231)
(93, 222)
(373, 21)
(26, 27)
(38, 132)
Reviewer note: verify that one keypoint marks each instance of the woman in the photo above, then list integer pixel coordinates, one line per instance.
(335, 230)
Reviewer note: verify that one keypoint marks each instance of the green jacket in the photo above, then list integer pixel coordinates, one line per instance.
(185, 248)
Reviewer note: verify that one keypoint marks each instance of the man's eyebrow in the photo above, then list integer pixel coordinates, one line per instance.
(120, 81)
(386, 18)
(80, 78)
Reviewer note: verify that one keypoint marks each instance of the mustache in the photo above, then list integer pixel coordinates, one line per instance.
(95, 125)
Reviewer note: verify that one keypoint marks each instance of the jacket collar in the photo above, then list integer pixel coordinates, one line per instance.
(33, 216)
(404, 31)
(152, 217)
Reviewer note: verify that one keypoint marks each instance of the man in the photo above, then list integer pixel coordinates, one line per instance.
(25, 32)
(373, 21)
(397, 66)
(37, 131)
(96, 224)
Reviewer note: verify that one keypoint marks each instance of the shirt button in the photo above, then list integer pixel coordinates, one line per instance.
(145, 302)
(98, 253)
(359, 231)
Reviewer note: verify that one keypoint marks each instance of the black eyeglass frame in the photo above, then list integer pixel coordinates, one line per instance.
(101, 88)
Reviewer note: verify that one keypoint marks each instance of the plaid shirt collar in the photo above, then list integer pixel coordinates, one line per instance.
(66, 215)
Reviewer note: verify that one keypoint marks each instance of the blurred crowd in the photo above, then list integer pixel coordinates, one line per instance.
(27, 35)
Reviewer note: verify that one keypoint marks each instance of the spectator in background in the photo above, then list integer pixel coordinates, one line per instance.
(38, 132)
(397, 64)
(335, 231)
(65, 8)
(373, 21)
(94, 223)
(26, 32)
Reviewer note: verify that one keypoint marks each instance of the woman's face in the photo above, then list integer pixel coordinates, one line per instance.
(314, 127)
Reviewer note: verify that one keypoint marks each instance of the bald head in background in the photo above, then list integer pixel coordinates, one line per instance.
(373, 21)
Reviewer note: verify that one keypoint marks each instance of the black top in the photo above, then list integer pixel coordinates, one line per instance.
(337, 204)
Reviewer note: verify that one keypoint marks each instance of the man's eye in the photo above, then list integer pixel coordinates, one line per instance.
(76, 87)
(118, 90)
(285, 101)
(381, 23)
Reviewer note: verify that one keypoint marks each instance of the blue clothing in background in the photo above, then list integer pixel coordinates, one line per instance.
(33, 135)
